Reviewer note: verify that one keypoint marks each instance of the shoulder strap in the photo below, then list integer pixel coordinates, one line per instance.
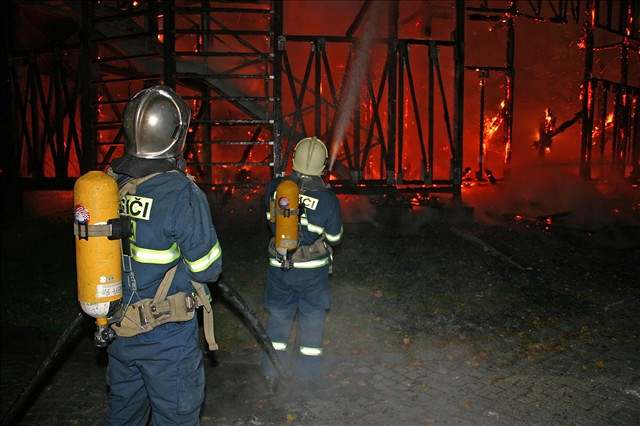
(111, 173)
(165, 284)
(207, 315)
(131, 186)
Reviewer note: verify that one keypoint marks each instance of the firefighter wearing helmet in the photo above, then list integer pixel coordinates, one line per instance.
(304, 216)
(155, 362)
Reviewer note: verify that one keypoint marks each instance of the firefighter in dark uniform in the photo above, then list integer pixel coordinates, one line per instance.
(155, 362)
(302, 287)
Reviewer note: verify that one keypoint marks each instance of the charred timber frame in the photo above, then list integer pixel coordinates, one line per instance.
(456, 164)
(587, 93)
(11, 161)
(88, 94)
(94, 152)
(277, 27)
(624, 159)
(355, 155)
(392, 95)
(61, 104)
(395, 73)
(178, 69)
(483, 74)
(169, 43)
(504, 15)
(54, 128)
(510, 89)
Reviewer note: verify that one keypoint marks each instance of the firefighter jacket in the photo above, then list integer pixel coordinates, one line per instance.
(320, 217)
(171, 225)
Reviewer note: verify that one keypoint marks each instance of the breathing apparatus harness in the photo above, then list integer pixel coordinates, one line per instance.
(143, 315)
(319, 249)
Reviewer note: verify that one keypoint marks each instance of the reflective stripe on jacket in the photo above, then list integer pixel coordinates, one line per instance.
(321, 218)
(176, 228)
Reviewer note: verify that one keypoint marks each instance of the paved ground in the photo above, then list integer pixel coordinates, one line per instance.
(581, 379)
(426, 327)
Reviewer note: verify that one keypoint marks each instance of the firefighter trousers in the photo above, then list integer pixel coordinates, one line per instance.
(158, 374)
(301, 294)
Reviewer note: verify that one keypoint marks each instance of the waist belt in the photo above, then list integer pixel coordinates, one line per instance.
(147, 314)
(313, 255)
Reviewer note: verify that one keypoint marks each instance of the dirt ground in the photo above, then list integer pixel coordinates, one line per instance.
(524, 319)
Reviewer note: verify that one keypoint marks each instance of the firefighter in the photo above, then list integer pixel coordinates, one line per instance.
(156, 362)
(298, 281)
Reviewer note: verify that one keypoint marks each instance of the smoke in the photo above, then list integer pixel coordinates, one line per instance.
(357, 209)
(543, 189)
(353, 79)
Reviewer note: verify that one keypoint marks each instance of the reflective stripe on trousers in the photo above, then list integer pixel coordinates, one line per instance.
(306, 350)
(318, 263)
(279, 346)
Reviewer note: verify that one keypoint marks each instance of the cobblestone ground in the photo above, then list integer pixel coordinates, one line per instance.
(551, 348)
(477, 379)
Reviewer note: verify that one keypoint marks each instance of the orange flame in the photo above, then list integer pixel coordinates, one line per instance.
(608, 123)
(491, 125)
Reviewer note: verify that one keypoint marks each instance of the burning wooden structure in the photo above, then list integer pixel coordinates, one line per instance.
(255, 89)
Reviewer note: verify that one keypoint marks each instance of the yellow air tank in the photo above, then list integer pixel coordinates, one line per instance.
(98, 258)
(286, 214)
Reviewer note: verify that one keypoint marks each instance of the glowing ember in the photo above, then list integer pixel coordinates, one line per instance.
(419, 199)
(507, 149)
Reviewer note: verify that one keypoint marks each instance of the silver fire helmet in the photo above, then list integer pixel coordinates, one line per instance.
(155, 123)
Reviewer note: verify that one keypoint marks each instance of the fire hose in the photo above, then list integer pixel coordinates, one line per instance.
(21, 404)
(70, 334)
(251, 320)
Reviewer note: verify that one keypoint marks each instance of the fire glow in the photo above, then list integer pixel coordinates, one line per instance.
(608, 124)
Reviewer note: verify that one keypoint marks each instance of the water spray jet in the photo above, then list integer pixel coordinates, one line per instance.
(353, 80)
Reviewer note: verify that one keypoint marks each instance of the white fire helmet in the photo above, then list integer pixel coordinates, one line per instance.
(310, 156)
